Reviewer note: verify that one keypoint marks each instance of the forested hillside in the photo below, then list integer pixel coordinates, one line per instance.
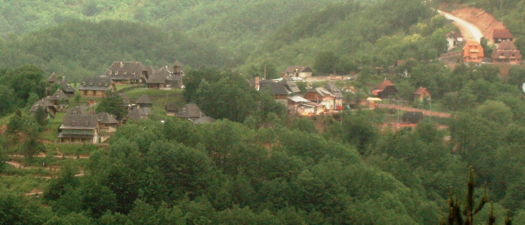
(352, 37)
(238, 26)
(78, 49)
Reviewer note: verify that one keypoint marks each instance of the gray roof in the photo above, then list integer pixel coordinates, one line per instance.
(171, 107)
(121, 70)
(203, 120)
(58, 95)
(298, 99)
(106, 118)
(275, 88)
(144, 99)
(291, 85)
(95, 83)
(159, 76)
(42, 103)
(138, 114)
(190, 110)
(79, 121)
(334, 89)
(66, 88)
(53, 78)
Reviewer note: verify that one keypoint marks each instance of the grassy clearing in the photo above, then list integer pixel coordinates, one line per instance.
(22, 184)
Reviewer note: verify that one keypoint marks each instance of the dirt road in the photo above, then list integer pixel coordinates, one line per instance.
(468, 30)
(410, 109)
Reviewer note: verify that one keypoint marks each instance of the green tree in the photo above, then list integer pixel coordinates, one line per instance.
(113, 104)
(326, 62)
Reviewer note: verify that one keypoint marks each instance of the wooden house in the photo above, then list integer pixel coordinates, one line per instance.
(338, 94)
(131, 72)
(136, 114)
(300, 106)
(422, 94)
(171, 109)
(54, 79)
(501, 35)
(79, 126)
(107, 124)
(159, 78)
(144, 101)
(190, 112)
(47, 105)
(298, 71)
(279, 89)
(385, 90)
(321, 95)
(473, 52)
(59, 99)
(506, 52)
(67, 89)
(96, 87)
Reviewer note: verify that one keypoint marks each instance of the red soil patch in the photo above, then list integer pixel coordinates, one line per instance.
(481, 19)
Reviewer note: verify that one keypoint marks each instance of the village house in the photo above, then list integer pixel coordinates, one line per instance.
(454, 39)
(177, 75)
(280, 90)
(144, 102)
(79, 126)
(321, 95)
(300, 106)
(171, 109)
(47, 105)
(96, 87)
(130, 72)
(501, 35)
(160, 78)
(422, 94)
(136, 114)
(338, 93)
(59, 99)
(107, 125)
(506, 52)
(473, 52)
(67, 89)
(54, 78)
(385, 90)
(191, 112)
(298, 71)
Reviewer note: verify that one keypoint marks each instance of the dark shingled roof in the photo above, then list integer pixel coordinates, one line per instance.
(159, 76)
(121, 70)
(42, 103)
(79, 121)
(171, 107)
(138, 114)
(106, 118)
(190, 110)
(58, 95)
(95, 83)
(144, 99)
(275, 88)
(66, 88)
(53, 78)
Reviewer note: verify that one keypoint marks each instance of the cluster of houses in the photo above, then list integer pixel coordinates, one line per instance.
(121, 72)
(505, 51)
(81, 124)
(316, 101)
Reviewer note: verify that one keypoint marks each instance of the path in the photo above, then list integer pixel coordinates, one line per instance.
(410, 109)
(58, 156)
(468, 30)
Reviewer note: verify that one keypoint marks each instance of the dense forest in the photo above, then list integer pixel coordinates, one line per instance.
(256, 164)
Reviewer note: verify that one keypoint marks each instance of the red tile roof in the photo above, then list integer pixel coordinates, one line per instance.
(502, 33)
(385, 84)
